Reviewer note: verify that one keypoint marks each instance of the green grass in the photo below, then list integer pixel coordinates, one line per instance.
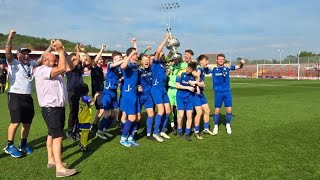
(276, 135)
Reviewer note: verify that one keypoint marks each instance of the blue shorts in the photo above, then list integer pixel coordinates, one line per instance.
(185, 103)
(159, 95)
(130, 102)
(199, 100)
(109, 99)
(146, 101)
(222, 97)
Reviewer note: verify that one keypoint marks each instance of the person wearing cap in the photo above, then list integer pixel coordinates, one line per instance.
(20, 102)
(177, 66)
(52, 98)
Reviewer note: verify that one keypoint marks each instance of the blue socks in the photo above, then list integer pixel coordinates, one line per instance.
(149, 125)
(188, 130)
(157, 124)
(122, 125)
(216, 119)
(206, 125)
(196, 129)
(228, 118)
(164, 122)
(126, 129)
(180, 131)
(134, 127)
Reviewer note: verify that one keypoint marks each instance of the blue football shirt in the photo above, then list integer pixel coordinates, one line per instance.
(112, 77)
(130, 77)
(184, 79)
(145, 79)
(203, 72)
(159, 77)
(221, 78)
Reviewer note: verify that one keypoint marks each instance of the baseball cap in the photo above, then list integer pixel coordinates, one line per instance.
(20, 50)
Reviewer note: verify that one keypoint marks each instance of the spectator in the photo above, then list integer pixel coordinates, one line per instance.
(52, 97)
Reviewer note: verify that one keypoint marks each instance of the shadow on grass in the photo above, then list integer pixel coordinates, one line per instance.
(38, 143)
(92, 147)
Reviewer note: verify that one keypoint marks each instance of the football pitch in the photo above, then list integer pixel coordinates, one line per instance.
(275, 135)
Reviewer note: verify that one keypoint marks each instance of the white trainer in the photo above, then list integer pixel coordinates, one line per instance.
(157, 137)
(215, 130)
(207, 131)
(228, 128)
(164, 135)
(101, 135)
(108, 134)
(104, 132)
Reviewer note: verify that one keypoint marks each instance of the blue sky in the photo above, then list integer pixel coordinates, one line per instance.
(246, 28)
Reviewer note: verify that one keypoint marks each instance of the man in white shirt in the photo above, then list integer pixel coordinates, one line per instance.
(20, 102)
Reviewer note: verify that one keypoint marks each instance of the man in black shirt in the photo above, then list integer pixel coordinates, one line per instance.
(74, 82)
(3, 78)
(97, 85)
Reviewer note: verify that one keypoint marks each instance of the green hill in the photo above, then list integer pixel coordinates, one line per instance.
(35, 43)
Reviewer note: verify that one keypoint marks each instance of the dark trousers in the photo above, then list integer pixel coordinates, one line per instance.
(73, 120)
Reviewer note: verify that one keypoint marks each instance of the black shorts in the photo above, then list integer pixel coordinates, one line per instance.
(55, 120)
(21, 108)
(98, 103)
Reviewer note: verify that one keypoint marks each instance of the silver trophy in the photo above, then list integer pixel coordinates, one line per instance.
(172, 44)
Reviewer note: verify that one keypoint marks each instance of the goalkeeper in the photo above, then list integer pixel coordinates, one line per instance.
(176, 66)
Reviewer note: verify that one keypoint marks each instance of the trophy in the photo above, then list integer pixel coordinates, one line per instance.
(172, 44)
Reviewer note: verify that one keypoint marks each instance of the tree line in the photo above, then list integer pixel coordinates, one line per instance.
(40, 44)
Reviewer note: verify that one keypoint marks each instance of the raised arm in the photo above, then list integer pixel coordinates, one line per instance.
(88, 60)
(48, 50)
(126, 60)
(9, 55)
(103, 47)
(159, 50)
(242, 62)
(134, 43)
(71, 63)
(143, 52)
(76, 58)
(116, 63)
(146, 50)
(61, 68)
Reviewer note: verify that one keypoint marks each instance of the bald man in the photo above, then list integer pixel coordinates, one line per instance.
(52, 97)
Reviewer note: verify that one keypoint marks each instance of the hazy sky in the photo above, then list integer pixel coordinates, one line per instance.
(246, 28)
